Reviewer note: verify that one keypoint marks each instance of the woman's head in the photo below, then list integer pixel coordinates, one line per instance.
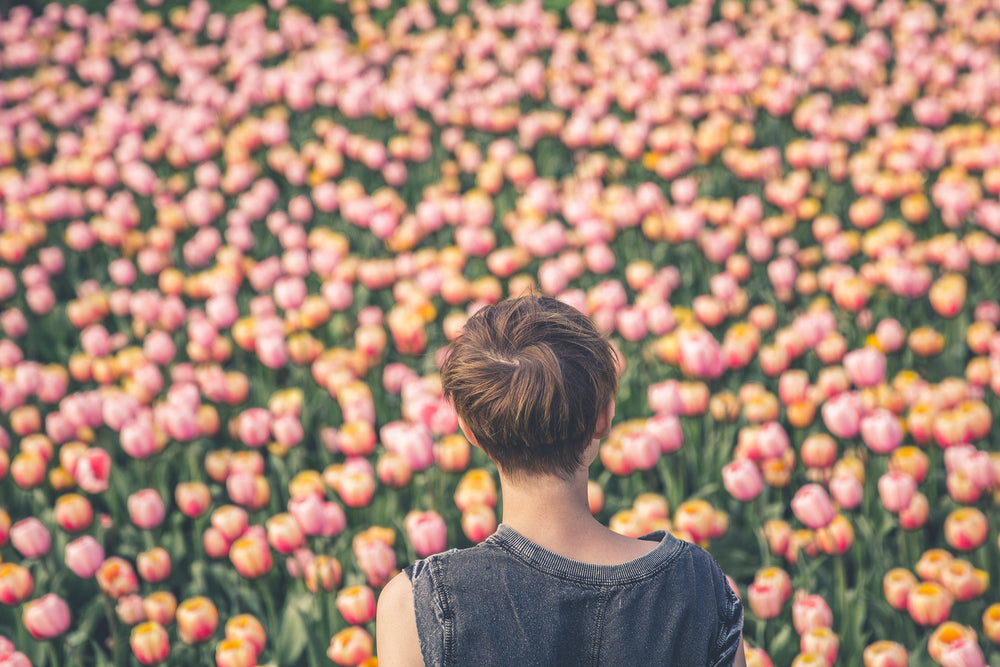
(529, 378)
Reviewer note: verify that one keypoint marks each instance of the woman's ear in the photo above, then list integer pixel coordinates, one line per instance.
(604, 419)
(468, 434)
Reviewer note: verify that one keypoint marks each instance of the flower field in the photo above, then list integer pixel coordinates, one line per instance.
(233, 246)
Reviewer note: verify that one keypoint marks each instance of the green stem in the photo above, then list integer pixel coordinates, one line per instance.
(116, 640)
(841, 584)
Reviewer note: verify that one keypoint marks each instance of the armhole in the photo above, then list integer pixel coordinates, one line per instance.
(435, 619)
(730, 613)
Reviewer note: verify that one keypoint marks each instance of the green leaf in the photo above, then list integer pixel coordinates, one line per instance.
(292, 638)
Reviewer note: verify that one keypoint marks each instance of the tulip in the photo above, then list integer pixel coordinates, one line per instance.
(247, 628)
(841, 415)
(46, 617)
(947, 635)
(146, 508)
(929, 603)
(251, 556)
(284, 533)
(153, 565)
(376, 559)
(160, 606)
(757, 657)
(846, 490)
(230, 521)
(476, 487)
(356, 604)
(742, 479)
(963, 653)
(896, 489)
(821, 641)
(810, 611)
(865, 367)
(965, 528)
(910, 460)
(811, 505)
(130, 609)
(197, 620)
(16, 583)
(881, 430)
(322, 573)
(427, 532)
(73, 512)
(84, 556)
(765, 600)
(836, 537)
(193, 498)
(350, 646)
(116, 577)
(916, 513)
(962, 580)
(30, 537)
(818, 450)
(235, 652)
(885, 653)
(695, 517)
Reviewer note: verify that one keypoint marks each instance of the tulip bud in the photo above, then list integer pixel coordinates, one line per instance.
(356, 604)
(46, 617)
(73, 512)
(885, 653)
(146, 508)
(30, 537)
(966, 528)
(251, 556)
(247, 628)
(160, 606)
(929, 603)
(150, 643)
(197, 620)
(84, 556)
(153, 565)
(235, 652)
(350, 646)
(16, 583)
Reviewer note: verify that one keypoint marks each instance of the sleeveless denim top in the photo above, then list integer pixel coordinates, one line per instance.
(508, 601)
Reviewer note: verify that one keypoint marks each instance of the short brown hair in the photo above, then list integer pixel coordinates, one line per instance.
(529, 377)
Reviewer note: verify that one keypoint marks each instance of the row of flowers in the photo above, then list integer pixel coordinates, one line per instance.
(232, 249)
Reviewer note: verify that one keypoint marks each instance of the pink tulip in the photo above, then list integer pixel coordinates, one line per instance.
(427, 532)
(308, 511)
(664, 429)
(742, 479)
(811, 611)
(699, 354)
(146, 508)
(84, 556)
(811, 505)
(46, 617)
(963, 652)
(842, 415)
(896, 490)
(356, 604)
(881, 430)
(846, 490)
(765, 600)
(376, 559)
(865, 366)
(30, 537)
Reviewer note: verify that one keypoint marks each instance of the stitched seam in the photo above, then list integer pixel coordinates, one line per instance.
(598, 633)
(448, 614)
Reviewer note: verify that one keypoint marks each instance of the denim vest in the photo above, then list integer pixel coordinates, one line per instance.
(508, 601)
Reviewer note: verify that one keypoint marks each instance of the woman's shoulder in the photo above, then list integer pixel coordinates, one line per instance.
(398, 643)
